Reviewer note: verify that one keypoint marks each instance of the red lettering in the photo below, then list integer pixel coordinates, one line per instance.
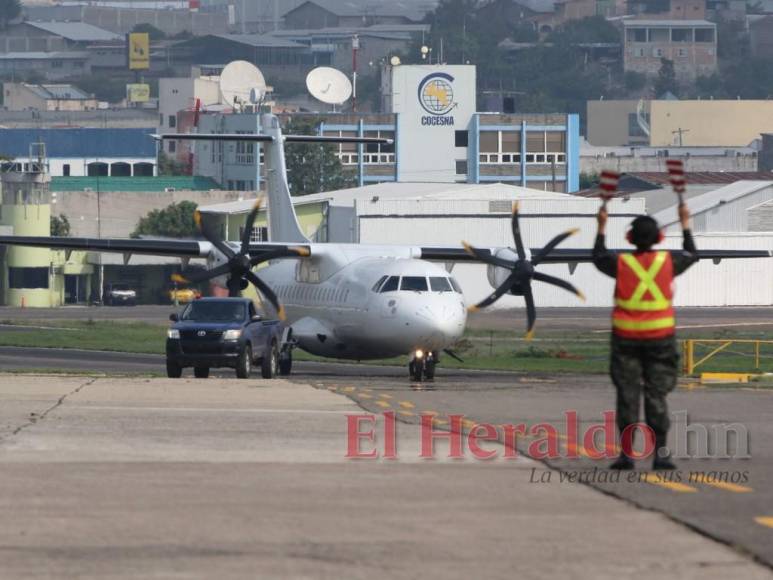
(511, 449)
(572, 436)
(549, 441)
(473, 438)
(609, 450)
(390, 435)
(354, 435)
(627, 437)
(428, 436)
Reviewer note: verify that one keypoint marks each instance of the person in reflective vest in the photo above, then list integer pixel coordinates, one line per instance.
(644, 357)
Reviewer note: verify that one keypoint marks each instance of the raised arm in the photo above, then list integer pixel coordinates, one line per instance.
(603, 259)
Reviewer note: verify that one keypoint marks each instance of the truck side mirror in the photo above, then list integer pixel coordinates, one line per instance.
(256, 318)
(174, 317)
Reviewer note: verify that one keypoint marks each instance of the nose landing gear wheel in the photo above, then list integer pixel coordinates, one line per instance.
(423, 367)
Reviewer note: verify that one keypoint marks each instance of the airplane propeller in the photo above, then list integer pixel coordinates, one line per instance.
(240, 264)
(522, 272)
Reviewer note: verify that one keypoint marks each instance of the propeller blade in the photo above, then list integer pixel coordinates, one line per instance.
(531, 311)
(268, 293)
(496, 295)
(487, 258)
(195, 277)
(548, 279)
(280, 253)
(247, 233)
(516, 226)
(542, 254)
(206, 231)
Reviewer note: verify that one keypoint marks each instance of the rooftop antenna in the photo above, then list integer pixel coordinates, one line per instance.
(240, 81)
(329, 85)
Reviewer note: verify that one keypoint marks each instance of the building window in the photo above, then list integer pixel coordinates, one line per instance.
(172, 121)
(461, 167)
(372, 153)
(681, 35)
(172, 146)
(57, 64)
(258, 234)
(500, 147)
(66, 170)
(27, 278)
(634, 130)
(637, 35)
(460, 138)
(704, 35)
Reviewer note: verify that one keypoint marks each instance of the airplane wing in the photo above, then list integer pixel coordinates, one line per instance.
(161, 247)
(575, 256)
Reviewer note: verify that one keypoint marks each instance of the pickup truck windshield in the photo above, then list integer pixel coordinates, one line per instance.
(214, 312)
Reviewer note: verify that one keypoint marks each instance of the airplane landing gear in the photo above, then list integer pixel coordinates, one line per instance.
(422, 365)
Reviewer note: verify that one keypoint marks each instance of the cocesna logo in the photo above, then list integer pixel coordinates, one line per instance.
(436, 93)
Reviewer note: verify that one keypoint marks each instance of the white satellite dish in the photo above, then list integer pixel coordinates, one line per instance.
(240, 81)
(329, 85)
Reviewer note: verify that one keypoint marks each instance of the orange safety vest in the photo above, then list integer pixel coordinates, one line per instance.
(644, 296)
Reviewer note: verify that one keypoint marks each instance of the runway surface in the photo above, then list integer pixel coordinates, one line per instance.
(158, 478)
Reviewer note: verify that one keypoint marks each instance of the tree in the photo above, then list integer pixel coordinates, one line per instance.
(9, 9)
(155, 33)
(313, 168)
(169, 166)
(174, 221)
(60, 226)
(666, 81)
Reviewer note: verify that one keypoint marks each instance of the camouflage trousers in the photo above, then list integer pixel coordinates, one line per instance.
(647, 367)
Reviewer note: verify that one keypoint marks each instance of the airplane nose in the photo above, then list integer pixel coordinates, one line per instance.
(441, 323)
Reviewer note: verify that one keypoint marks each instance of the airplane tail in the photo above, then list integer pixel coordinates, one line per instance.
(283, 223)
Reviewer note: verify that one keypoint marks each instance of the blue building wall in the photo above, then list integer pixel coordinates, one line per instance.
(80, 142)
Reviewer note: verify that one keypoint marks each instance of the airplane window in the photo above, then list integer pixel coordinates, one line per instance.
(378, 284)
(455, 285)
(391, 284)
(438, 284)
(414, 284)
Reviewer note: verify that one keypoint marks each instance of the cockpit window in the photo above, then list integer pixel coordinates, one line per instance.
(438, 284)
(455, 285)
(378, 284)
(391, 284)
(414, 284)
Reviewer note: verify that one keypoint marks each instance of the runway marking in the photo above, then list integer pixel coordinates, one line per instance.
(348, 389)
(364, 396)
(734, 487)
(199, 410)
(430, 413)
(468, 424)
(766, 521)
(407, 413)
(367, 390)
(439, 422)
(653, 479)
(384, 404)
(406, 405)
(385, 396)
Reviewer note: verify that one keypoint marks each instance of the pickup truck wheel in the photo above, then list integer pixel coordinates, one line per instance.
(270, 363)
(286, 364)
(244, 363)
(173, 370)
(201, 372)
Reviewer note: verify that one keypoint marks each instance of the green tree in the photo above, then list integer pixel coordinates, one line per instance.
(60, 226)
(174, 221)
(9, 9)
(666, 81)
(313, 167)
(169, 166)
(155, 33)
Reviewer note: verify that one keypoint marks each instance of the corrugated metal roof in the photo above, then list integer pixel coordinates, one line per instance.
(76, 142)
(61, 91)
(402, 190)
(714, 199)
(65, 55)
(655, 23)
(76, 31)
(412, 10)
(142, 184)
(258, 40)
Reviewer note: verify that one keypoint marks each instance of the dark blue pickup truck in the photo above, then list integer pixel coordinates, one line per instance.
(225, 332)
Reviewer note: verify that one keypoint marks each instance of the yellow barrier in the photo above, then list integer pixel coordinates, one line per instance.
(690, 363)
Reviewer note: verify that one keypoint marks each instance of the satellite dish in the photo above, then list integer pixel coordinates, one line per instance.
(329, 85)
(238, 81)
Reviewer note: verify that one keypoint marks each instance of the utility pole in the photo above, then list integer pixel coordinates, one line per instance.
(355, 48)
(680, 132)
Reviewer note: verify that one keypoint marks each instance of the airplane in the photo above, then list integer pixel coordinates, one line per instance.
(351, 301)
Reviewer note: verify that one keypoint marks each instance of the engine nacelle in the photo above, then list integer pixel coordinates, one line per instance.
(497, 275)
